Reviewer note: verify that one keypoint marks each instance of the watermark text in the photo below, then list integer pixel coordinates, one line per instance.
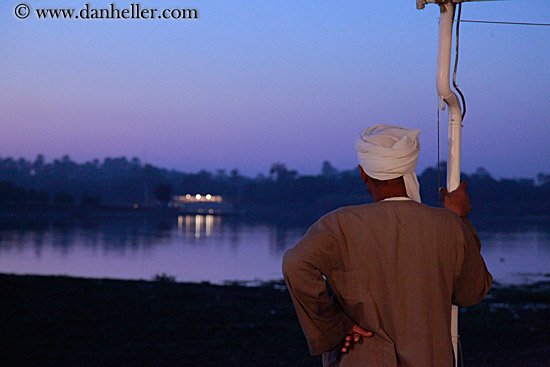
(89, 12)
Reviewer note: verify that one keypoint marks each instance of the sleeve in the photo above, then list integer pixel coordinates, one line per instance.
(322, 319)
(474, 280)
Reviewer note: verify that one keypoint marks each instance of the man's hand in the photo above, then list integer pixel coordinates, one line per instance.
(354, 336)
(458, 200)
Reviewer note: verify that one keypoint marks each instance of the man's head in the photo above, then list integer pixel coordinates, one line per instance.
(383, 189)
(386, 153)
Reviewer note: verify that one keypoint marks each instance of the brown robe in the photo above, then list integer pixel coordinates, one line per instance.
(395, 268)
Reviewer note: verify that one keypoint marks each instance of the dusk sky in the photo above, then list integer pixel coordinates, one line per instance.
(252, 82)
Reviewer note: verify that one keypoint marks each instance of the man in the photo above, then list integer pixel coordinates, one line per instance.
(394, 266)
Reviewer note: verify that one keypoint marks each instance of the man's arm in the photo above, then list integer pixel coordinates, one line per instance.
(324, 323)
(474, 280)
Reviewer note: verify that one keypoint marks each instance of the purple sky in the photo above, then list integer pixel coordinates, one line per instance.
(255, 82)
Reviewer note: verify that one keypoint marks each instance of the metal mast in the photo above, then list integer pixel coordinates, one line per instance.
(455, 122)
(447, 9)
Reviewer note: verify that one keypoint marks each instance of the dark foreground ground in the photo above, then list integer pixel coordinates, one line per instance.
(59, 321)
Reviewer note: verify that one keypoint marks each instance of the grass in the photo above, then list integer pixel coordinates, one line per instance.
(61, 321)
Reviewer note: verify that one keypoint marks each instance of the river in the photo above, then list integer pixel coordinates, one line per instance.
(195, 248)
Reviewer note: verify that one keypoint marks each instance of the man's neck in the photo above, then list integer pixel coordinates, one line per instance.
(389, 192)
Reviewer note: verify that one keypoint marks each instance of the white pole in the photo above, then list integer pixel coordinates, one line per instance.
(455, 121)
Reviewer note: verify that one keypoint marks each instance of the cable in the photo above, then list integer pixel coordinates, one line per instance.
(507, 23)
(456, 63)
(460, 350)
(438, 180)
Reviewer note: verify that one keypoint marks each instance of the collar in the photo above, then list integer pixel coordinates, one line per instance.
(397, 198)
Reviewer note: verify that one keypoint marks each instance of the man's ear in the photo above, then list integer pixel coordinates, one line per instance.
(364, 176)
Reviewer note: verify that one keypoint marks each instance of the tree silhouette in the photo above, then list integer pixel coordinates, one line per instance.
(279, 172)
(163, 192)
(120, 182)
(327, 170)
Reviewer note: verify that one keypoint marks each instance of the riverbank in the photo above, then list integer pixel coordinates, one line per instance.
(61, 321)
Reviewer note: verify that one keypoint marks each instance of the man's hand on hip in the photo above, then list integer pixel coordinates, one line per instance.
(354, 336)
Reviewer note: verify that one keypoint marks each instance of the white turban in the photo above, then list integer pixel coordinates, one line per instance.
(386, 152)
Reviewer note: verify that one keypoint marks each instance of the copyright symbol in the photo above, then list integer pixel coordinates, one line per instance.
(22, 11)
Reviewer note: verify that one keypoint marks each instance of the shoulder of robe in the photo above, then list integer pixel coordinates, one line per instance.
(448, 219)
(346, 212)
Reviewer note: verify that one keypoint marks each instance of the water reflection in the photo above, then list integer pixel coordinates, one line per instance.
(211, 247)
(109, 233)
(196, 222)
(282, 237)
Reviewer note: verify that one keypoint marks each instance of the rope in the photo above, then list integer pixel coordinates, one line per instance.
(506, 23)
(460, 352)
(456, 63)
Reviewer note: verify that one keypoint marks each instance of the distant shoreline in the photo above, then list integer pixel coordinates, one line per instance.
(263, 212)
